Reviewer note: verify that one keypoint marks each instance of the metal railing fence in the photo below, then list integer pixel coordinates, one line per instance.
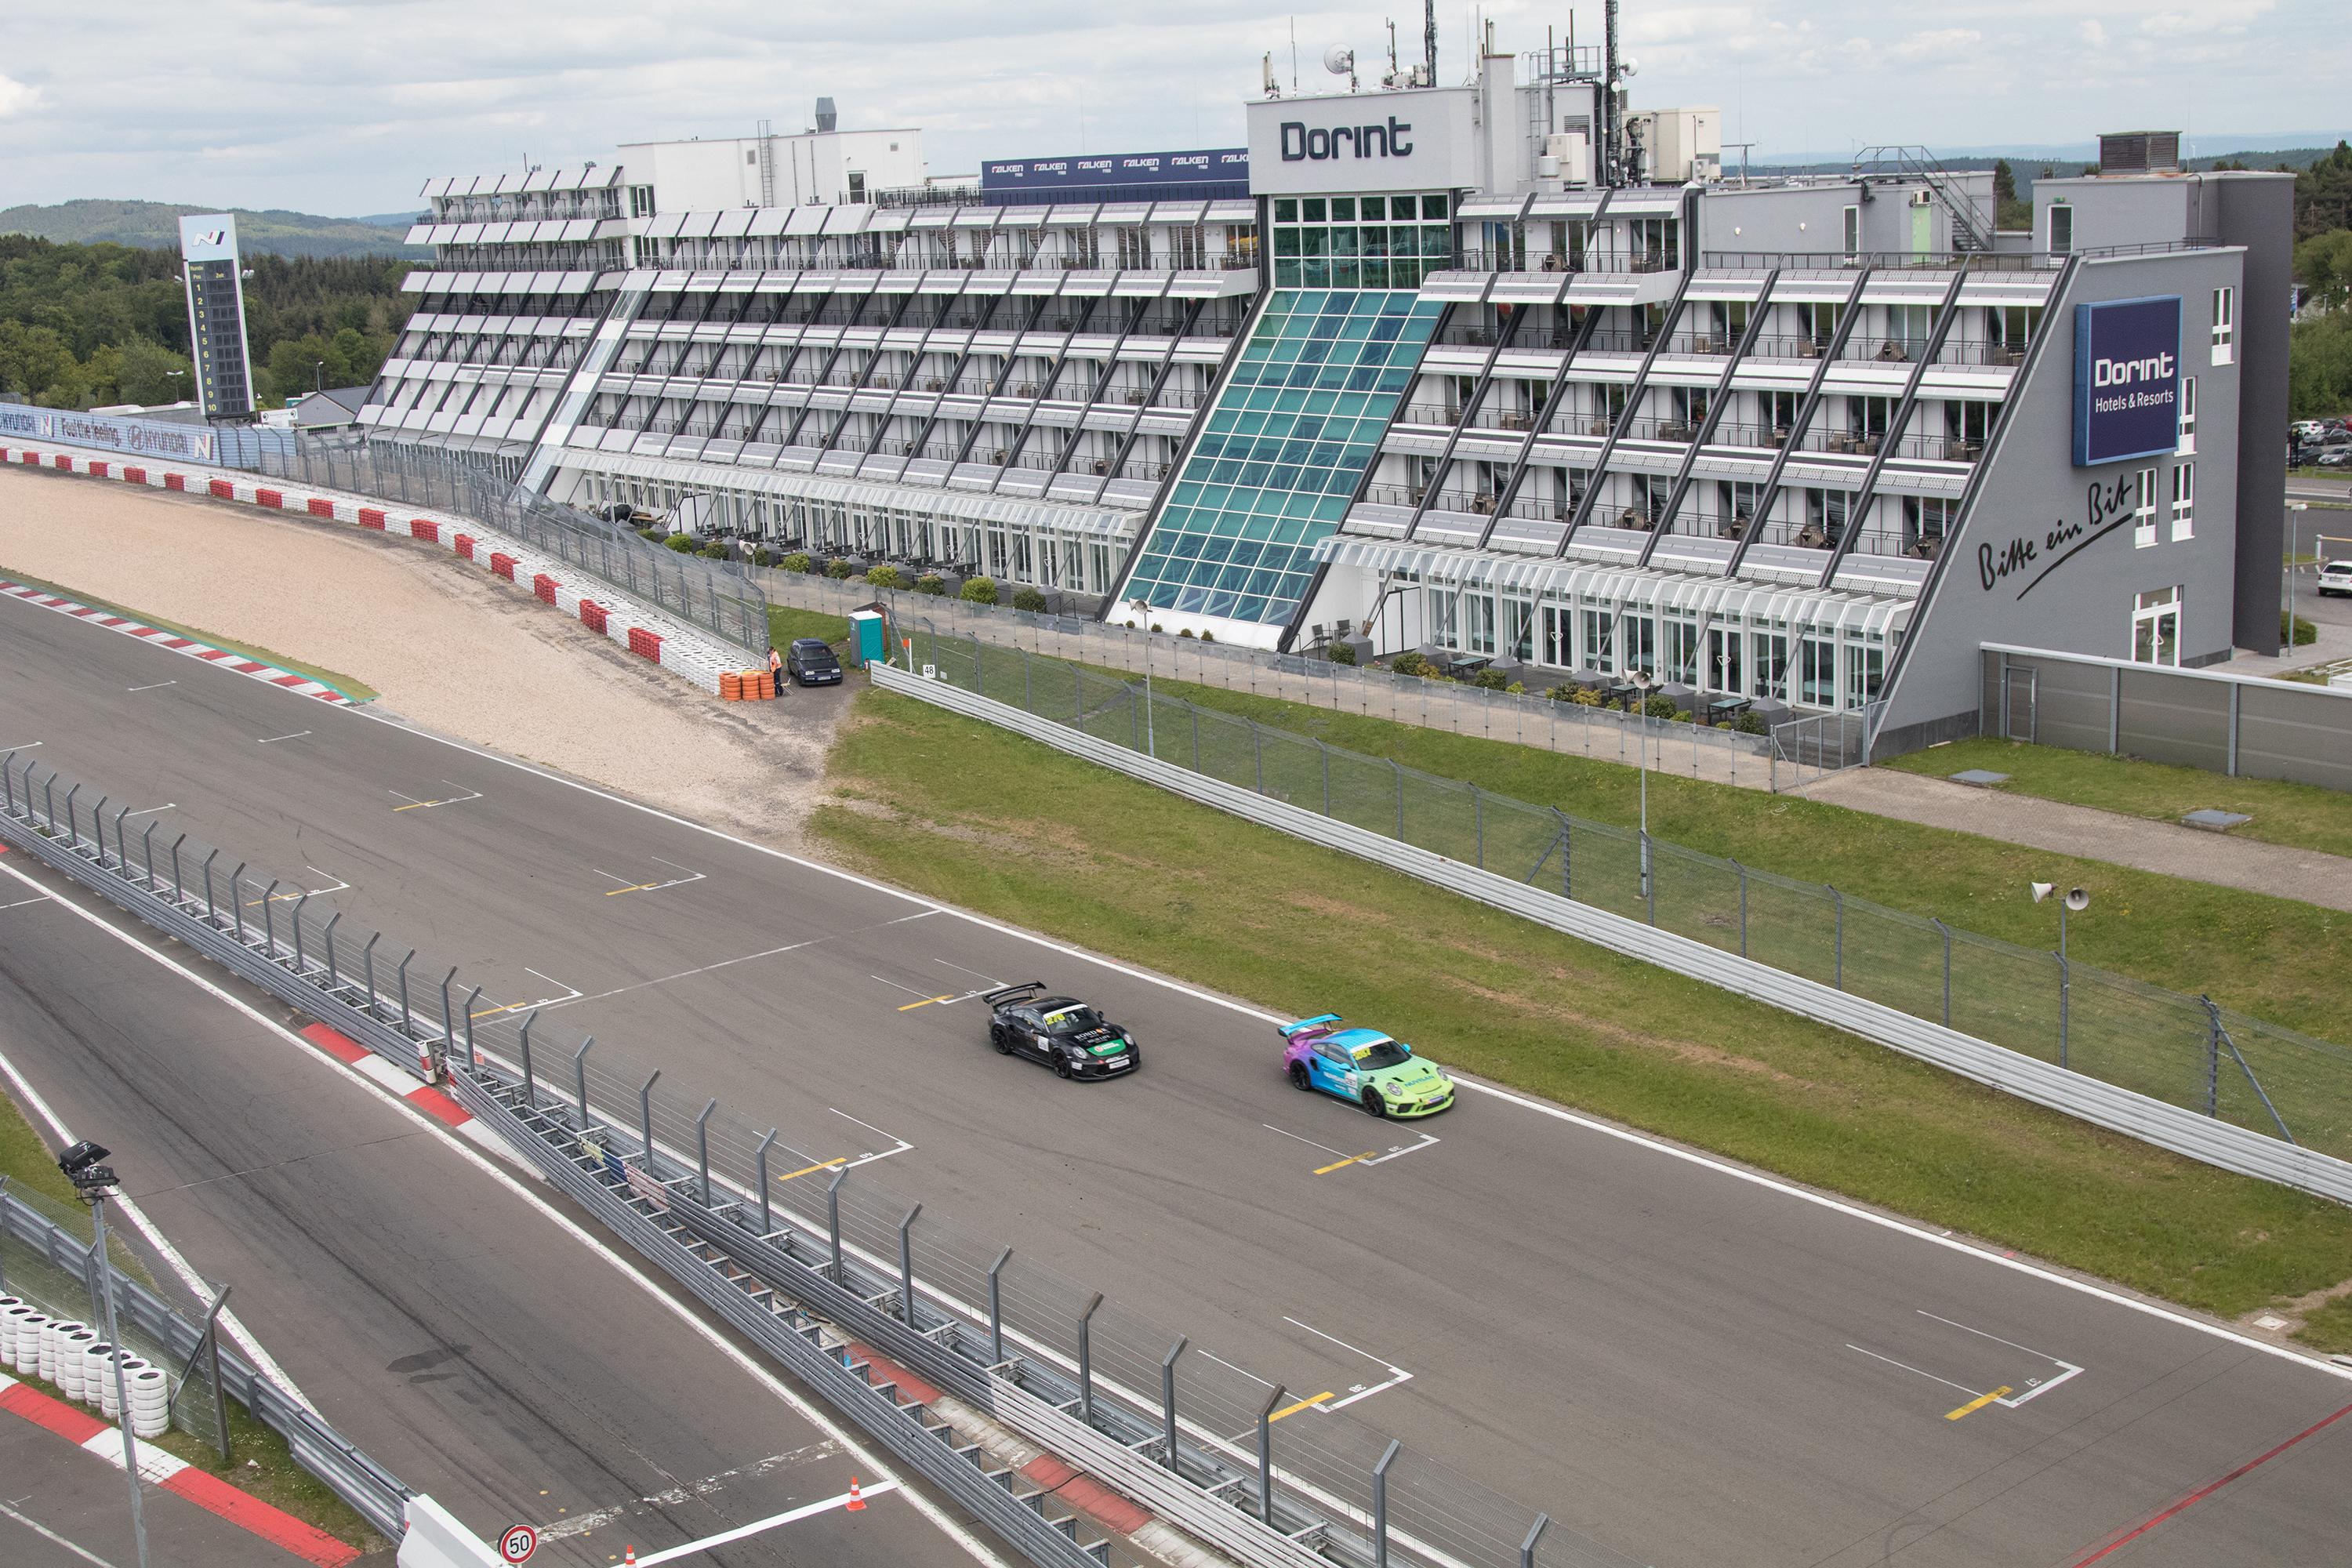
(2184, 1050)
(781, 1226)
(44, 1258)
(718, 597)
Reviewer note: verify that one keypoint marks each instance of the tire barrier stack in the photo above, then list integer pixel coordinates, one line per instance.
(70, 1356)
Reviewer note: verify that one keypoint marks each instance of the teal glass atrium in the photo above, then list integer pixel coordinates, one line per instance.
(1282, 453)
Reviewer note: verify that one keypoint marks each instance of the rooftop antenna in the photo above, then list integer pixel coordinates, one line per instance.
(1266, 66)
(1294, 57)
(1743, 147)
(1390, 80)
(1612, 109)
(1340, 60)
(1429, 41)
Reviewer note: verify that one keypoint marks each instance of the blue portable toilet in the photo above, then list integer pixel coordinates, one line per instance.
(868, 645)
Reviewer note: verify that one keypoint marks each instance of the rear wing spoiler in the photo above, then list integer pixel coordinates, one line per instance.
(1005, 995)
(1321, 1022)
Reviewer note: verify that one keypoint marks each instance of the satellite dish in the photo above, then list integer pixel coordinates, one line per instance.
(1627, 67)
(1340, 60)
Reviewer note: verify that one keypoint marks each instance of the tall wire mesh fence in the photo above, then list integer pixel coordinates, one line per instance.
(796, 1174)
(718, 597)
(2181, 1049)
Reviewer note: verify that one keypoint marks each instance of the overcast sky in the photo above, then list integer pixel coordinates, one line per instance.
(347, 106)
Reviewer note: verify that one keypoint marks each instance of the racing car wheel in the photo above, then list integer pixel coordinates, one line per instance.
(996, 1037)
(1299, 1077)
(1374, 1104)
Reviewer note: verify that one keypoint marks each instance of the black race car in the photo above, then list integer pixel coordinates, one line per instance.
(1062, 1032)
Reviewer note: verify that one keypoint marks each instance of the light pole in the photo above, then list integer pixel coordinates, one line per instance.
(2075, 899)
(91, 1178)
(1142, 607)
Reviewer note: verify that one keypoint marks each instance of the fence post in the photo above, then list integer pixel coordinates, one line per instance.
(1535, 1533)
(122, 849)
(1649, 877)
(1327, 776)
(530, 1090)
(767, 1226)
(1266, 1453)
(579, 1075)
(269, 917)
(1567, 846)
(1743, 907)
(367, 963)
(334, 981)
(2213, 1056)
(1478, 819)
(1086, 1360)
(702, 1148)
(1196, 740)
(1838, 901)
(2065, 996)
(1078, 698)
(832, 1226)
(1947, 968)
(1257, 753)
(298, 932)
(404, 1027)
(147, 845)
(449, 1020)
(996, 1308)
(179, 887)
(210, 913)
(8, 781)
(644, 1100)
(1399, 784)
(906, 1266)
(473, 1057)
(1028, 684)
(1380, 1504)
(1167, 1399)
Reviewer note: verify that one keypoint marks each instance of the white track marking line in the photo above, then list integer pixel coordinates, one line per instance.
(416, 804)
(1397, 1153)
(1558, 1113)
(24, 746)
(2035, 1387)
(710, 1485)
(693, 1548)
(273, 740)
(628, 886)
(156, 686)
(902, 1145)
(990, 981)
(920, 915)
(37, 1527)
(660, 980)
(167, 806)
(467, 1150)
(1397, 1374)
(1310, 1142)
(20, 903)
(1931, 1377)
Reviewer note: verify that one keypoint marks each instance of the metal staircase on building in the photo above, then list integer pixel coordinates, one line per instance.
(1972, 229)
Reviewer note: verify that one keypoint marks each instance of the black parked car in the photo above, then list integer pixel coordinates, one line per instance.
(1062, 1032)
(812, 662)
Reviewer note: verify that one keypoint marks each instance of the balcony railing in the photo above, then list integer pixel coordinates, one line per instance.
(1514, 258)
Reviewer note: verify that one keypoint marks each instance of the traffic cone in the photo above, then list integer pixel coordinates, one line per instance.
(630, 1556)
(857, 1503)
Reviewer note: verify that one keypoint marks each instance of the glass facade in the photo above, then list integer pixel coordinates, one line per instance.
(1282, 453)
(1360, 242)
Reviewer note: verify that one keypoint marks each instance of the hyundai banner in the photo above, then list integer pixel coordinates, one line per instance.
(2126, 379)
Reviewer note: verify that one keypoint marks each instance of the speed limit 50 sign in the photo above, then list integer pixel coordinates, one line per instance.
(516, 1543)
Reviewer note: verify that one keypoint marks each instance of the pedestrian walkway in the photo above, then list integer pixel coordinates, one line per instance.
(2081, 830)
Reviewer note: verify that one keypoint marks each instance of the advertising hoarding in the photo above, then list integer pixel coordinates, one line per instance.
(1074, 177)
(1422, 141)
(2126, 379)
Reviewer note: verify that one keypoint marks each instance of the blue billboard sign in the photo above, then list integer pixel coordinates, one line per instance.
(1077, 177)
(2126, 379)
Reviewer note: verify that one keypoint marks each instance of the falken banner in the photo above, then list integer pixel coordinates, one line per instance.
(2126, 379)
(1075, 175)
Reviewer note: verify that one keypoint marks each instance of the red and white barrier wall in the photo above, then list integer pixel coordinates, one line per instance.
(643, 631)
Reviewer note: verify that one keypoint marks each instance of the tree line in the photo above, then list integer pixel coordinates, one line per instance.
(85, 326)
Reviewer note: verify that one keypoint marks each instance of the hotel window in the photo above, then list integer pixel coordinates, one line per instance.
(2225, 325)
(1600, 648)
(1360, 242)
(1852, 232)
(2061, 228)
(1134, 247)
(1722, 668)
(1558, 649)
(2143, 508)
(2184, 502)
(1681, 662)
(2188, 415)
(1478, 611)
(1865, 672)
(1925, 520)
(1518, 629)
(641, 201)
(1771, 651)
(1641, 645)
(1445, 630)
(2155, 627)
(1817, 672)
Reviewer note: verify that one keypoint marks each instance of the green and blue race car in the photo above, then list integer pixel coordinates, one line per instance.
(1375, 1071)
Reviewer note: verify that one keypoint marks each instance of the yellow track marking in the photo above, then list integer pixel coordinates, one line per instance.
(1302, 1404)
(925, 1003)
(1349, 1161)
(1979, 1402)
(840, 1160)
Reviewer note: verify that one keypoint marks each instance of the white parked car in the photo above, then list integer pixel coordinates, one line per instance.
(2335, 577)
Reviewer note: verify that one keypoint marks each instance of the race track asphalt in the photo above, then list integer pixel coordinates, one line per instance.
(1692, 1364)
(449, 1328)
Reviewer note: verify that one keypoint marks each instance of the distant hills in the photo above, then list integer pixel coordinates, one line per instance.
(2067, 158)
(273, 230)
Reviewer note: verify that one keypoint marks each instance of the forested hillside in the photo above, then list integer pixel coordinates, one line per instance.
(274, 231)
(84, 325)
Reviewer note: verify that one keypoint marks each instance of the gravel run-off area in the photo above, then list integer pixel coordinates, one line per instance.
(451, 648)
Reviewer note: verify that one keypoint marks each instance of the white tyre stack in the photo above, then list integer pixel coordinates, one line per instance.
(98, 1378)
(151, 1397)
(30, 1327)
(53, 1342)
(12, 1308)
(73, 1364)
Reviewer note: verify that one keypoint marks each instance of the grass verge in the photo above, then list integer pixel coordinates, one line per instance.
(2277, 959)
(261, 1463)
(784, 624)
(1101, 859)
(2306, 816)
(356, 689)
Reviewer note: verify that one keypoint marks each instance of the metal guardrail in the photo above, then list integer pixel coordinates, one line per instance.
(2176, 1071)
(803, 1268)
(375, 1492)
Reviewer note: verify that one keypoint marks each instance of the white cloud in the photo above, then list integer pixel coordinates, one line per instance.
(344, 107)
